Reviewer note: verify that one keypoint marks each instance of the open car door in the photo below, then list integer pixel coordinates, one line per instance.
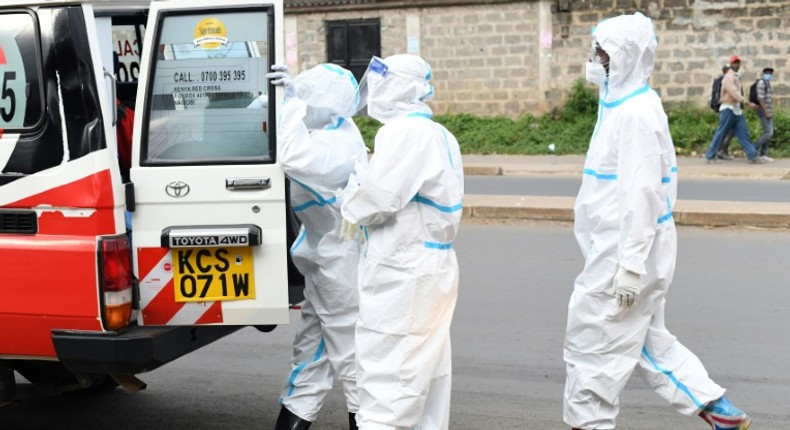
(208, 207)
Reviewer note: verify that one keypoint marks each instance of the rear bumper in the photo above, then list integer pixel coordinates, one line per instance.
(134, 350)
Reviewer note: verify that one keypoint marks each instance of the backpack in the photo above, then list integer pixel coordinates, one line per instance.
(715, 94)
(753, 92)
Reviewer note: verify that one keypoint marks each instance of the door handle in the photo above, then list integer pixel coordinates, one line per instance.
(245, 184)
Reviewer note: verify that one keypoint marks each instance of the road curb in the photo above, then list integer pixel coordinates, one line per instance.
(686, 212)
(475, 170)
(571, 170)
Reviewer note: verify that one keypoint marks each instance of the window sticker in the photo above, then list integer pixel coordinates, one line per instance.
(15, 35)
(210, 33)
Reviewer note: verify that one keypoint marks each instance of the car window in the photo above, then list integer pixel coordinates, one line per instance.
(208, 72)
(20, 83)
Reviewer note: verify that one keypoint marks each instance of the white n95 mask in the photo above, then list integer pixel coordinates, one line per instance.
(595, 73)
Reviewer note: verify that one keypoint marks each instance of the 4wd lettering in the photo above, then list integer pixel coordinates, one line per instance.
(195, 241)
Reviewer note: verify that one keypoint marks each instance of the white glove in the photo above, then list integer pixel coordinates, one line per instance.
(351, 187)
(281, 77)
(626, 288)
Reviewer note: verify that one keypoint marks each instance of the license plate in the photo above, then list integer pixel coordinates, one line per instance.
(210, 274)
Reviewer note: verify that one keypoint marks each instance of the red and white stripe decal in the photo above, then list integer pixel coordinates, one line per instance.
(157, 294)
(93, 192)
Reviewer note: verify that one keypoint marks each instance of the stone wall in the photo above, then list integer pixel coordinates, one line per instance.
(696, 38)
(517, 57)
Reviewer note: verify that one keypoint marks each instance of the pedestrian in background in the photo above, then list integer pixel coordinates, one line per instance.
(731, 116)
(723, 153)
(765, 113)
(319, 147)
(624, 226)
(410, 206)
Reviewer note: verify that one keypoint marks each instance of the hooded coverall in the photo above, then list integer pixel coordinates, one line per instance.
(410, 208)
(623, 218)
(318, 160)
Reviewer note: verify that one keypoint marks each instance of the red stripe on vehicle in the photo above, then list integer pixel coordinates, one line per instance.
(163, 306)
(213, 315)
(93, 191)
(2, 56)
(98, 223)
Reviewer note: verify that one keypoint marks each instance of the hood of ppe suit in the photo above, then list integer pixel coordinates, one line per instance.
(330, 93)
(403, 90)
(630, 41)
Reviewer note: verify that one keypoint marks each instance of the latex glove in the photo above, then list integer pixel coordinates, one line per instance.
(626, 288)
(349, 231)
(281, 77)
(351, 187)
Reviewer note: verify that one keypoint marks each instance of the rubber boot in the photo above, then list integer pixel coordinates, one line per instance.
(288, 421)
(352, 421)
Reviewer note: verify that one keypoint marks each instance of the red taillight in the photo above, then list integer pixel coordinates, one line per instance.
(116, 264)
(116, 281)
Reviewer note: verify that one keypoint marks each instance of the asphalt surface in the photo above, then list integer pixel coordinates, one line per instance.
(489, 196)
(724, 189)
(728, 304)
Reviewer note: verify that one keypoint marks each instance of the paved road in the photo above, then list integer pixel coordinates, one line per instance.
(728, 304)
(688, 189)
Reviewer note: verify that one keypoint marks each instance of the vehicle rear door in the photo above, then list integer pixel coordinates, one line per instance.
(208, 202)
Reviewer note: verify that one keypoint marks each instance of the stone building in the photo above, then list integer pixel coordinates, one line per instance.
(505, 57)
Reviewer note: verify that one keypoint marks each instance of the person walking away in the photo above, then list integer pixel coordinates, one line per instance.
(409, 208)
(624, 226)
(319, 147)
(731, 116)
(765, 113)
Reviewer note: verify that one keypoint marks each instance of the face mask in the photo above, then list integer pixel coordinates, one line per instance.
(768, 76)
(316, 118)
(596, 73)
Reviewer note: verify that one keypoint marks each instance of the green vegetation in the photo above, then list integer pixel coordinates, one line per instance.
(571, 128)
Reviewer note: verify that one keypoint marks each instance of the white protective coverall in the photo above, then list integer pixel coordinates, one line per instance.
(318, 160)
(409, 206)
(623, 218)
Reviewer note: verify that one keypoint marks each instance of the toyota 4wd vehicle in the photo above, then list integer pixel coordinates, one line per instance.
(142, 210)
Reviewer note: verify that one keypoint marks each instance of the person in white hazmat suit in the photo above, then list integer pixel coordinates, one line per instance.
(409, 208)
(319, 147)
(624, 227)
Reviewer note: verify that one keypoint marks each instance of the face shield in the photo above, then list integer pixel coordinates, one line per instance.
(398, 84)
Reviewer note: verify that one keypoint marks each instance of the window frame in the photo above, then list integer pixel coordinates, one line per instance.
(347, 23)
(153, 59)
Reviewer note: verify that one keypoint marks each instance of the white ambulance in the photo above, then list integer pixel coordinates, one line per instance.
(106, 270)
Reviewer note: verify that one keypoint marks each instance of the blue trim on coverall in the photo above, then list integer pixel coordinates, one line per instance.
(672, 378)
